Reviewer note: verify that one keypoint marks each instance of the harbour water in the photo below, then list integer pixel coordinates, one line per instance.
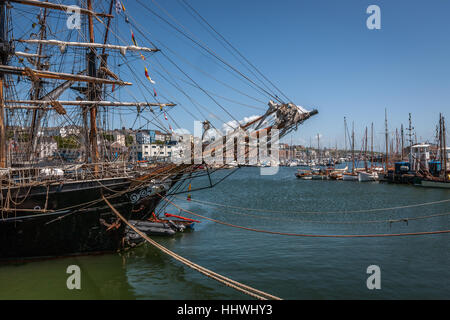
(413, 267)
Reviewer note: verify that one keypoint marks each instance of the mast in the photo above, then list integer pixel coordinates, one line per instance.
(402, 141)
(371, 146)
(105, 39)
(309, 151)
(92, 92)
(396, 142)
(345, 135)
(410, 129)
(318, 149)
(387, 138)
(365, 151)
(353, 147)
(3, 141)
(37, 87)
(445, 149)
(5, 50)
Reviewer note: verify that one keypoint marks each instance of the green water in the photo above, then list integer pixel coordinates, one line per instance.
(289, 267)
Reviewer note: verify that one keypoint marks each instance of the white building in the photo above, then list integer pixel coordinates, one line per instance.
(143, 137)
(152, 151)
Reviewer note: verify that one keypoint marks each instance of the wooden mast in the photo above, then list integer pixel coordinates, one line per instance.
(403, 141)
(37, 86)
(4, 54)
(92, 92)
(3, 139)
(108, 23)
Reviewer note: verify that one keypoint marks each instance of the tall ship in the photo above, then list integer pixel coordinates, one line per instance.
(61, 92)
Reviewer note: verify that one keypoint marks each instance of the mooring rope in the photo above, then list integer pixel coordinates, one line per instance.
(308, 235)
(405, 219)
(222, 279)
(321, 212)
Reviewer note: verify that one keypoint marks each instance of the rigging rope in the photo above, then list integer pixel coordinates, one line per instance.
(228, 282)
(208, 50)
(308, 235)
(234, 49)
(406, 219)
(323, 212)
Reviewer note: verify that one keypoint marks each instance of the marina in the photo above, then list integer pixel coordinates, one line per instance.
(289, 267)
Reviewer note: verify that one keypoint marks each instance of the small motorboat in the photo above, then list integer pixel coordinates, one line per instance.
(159, 227)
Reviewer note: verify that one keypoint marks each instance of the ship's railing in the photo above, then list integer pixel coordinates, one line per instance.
(75, 172)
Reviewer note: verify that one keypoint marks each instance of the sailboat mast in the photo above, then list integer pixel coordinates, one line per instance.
(353, 147)
(371, 146)
(410, 128)
(365, 151)
(345, 134)
(445, 149)
(403, 141)
(387, 138)
(318, 148)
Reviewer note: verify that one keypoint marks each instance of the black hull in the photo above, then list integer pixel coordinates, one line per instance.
(405, 178)
(76, 221)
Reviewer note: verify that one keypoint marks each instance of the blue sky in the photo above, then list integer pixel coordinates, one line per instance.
(319, 53)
